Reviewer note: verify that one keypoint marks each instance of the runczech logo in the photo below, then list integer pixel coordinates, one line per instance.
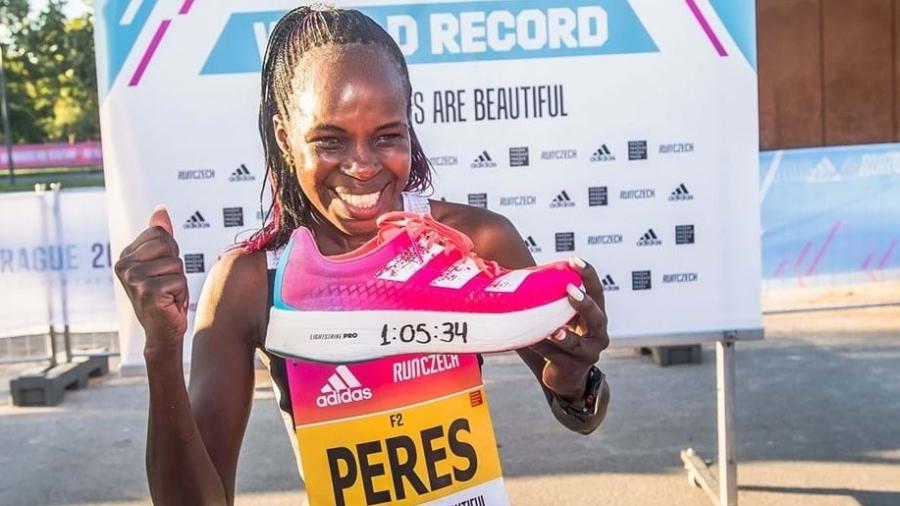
(443, 161)
(680, 147)
(639, 194)
(597, 240)
(184, 175)
(681, 277)
(559, 154)
(518, 201)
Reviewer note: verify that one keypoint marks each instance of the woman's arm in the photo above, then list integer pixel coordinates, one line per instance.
(193, 438)
(561, 367)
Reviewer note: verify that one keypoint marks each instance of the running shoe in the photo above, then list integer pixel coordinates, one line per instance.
(417, 287)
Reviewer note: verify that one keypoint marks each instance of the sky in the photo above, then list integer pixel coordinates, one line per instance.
(73, 7)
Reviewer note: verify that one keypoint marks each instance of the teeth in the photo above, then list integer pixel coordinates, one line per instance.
(366, 201)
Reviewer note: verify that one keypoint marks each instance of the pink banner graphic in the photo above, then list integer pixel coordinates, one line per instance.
(40, 156)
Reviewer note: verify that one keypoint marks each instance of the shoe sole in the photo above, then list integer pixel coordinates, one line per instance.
(353, 336)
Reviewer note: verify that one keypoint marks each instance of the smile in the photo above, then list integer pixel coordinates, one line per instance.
(357, 200)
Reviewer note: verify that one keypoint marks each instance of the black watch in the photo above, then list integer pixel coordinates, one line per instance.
(587, 406)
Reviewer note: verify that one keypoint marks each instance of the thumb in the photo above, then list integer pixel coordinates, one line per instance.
(160, 218)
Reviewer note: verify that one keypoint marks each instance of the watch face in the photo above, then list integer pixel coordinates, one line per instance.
(592, 396)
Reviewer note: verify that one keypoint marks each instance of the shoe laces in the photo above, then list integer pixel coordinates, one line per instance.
(434, 232)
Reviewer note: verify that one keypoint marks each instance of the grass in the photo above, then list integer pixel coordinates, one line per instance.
(70, 177)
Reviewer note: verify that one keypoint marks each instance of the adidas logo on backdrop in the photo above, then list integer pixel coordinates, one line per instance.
(649, 239)
(562, 200)
(342, 388)
(532, 245)
(680, 193)
(196, 221)
(242, 173)
(603, 154)
(483, 160)
(608, 284)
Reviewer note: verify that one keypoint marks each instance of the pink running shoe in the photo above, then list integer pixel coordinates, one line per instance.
(417, 287)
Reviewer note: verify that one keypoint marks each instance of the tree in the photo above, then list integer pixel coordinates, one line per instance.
(51, 74)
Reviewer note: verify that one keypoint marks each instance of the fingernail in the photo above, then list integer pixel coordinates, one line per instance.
(576, 261)
(574, 292)
(559, 335)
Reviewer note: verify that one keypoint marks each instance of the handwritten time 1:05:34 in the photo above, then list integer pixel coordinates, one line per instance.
(423, 333)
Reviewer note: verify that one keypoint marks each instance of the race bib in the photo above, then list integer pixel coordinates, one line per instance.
(405, 430)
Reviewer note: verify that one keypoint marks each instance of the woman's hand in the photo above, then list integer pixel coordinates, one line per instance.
(152, 274)
(574, 348)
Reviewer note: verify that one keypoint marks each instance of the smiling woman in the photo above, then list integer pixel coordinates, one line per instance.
(341, 153)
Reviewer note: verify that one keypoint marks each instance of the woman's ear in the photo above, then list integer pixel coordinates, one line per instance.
(281, 135)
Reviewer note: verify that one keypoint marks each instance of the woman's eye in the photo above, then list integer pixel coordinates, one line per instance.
(389, 138)
(328, 143)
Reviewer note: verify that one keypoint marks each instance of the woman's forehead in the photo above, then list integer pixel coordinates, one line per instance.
(331, 76)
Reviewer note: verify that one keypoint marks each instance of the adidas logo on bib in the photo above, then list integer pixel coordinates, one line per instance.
(342, 388)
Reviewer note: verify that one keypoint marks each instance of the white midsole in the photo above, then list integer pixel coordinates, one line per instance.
(351, 336)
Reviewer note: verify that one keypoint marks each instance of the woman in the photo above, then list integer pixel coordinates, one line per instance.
(340, 151)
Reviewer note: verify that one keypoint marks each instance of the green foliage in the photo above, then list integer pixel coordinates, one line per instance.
(50, 73)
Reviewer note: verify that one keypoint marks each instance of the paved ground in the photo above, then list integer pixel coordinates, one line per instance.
(818, 415)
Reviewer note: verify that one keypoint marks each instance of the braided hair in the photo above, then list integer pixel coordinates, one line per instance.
(299, 31)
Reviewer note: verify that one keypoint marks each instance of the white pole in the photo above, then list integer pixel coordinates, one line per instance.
(725, 417)
(63, 272)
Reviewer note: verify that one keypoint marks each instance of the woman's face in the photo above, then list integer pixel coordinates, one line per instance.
(348, 134)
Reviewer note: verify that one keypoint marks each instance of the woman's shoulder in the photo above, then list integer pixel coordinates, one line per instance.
(490, 232)
(237, 289)
(241, 266)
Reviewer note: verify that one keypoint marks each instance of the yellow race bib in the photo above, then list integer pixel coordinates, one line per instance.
(405, 430)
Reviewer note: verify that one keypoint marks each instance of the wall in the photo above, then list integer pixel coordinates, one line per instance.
(828, 72)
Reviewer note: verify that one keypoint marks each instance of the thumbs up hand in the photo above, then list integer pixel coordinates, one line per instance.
(153, 276)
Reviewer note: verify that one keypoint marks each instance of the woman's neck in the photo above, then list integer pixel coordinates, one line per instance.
(332, 241)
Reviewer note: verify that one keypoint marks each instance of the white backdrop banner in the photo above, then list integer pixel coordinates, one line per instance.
(624, 131)
(55, 265)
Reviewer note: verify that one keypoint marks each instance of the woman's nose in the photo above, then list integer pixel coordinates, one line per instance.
(363, 165)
